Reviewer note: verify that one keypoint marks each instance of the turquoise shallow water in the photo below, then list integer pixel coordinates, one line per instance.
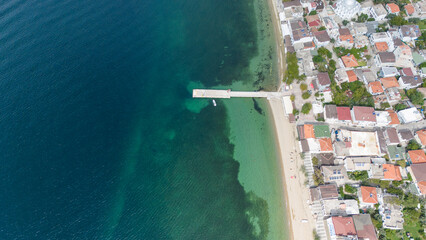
(100, 137)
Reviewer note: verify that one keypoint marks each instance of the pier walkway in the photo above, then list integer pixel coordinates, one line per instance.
(209, 93)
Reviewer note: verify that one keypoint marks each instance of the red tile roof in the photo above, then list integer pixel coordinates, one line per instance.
(308, 130)
(393, 7)
(344, 113)
(394, 117)
(325, 144)
(409, 9)
(382, 46)
(389, 82)
(391, 172)
(352, 76)
(422, 136)
(364, 114)
(350, 61)
(369, 194)
(375, 87)
(417, 156)
(343, 226)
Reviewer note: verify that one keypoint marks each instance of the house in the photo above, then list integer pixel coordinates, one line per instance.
(323, 192)
(418, 173)
(351, 76)
(391, 213)
(325, 144)
(360, 28)
(382, 118)
(371, 26)
(391, 172)
(364, 227)
(336, 207)
(392, 8)
(345, 37)
(391, 136)
(395, 152)
(363, 116)
(357, 164)
(331, 26)
(335, 174)
(418, 59)
(375, 88)
(321, 38)
(361, 41)
(309, 45)
(381, 46)
(341, 228)
(393, 95)
(301, 36)
(313, 21)
(405, 135)
(409, 32)
(408, 82)
(389, 82)
(325, 158)
(403, 56)
(306, 131)
(365, 75)
(408, 71)
(293, 9)
(382, 37)
(322, 82)
(344, 114)
(410, 115)
(376, 171)
(378, 12)
(385, 59)
(349, 61)
(382, 141)
(394, 117)
(409, 9)
(322, 131)
(386, 72)
(417, 156)
(369, 196)
(330, 113)
(379, 100)
(421, 136)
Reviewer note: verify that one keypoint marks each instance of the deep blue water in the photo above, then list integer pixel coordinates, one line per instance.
(95, 139)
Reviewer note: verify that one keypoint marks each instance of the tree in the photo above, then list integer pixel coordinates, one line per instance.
(332, 40)
(415, 96)
(295, 112)
(292, 97)
(324, 52)
(322, 28)
(306, 108)
(292, 71)
(413, 145)
(305, 95)
(318, 59)
(399, 107)
(397, 21)
(313, 13)
(303, 87)
(345, 22)
(350, 189)
(315, 161)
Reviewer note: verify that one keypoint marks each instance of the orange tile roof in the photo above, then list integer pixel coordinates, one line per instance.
(325, 144)
(308, 129)
(389, 82)
(349, 61)
(391, 172)
(409, 9)
(375, 87)
(343, 226)
(422, 136)
(394, 117)
(422, 187)
(393, 7)
(382, 46)
(417, 156)
(352, 76)
(369, 194)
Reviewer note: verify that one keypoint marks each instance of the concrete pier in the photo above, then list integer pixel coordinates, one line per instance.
(209, 93)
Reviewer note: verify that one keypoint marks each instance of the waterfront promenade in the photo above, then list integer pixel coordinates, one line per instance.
(210, 93)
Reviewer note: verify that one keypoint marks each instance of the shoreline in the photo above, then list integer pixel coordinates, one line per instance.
(296, 194)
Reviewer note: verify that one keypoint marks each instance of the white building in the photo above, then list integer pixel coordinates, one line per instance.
(388, 72)
(383, 118)
(382, 37)
(378, 12)
(410, 115)
(346, 9)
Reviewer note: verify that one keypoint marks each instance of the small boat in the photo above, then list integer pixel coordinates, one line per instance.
(214, 102)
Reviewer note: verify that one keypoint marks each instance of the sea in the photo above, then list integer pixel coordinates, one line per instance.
(100, 137)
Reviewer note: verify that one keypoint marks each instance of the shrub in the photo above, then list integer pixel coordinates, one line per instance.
(399, 107)
(306, 108)
(350, 189)
(358, 175)
(306, 95)
(415, 96)
(313, 13)
(295, 112)
(413, 145)
(292, 97)
(322, 28)
(303, 87)
(315, 161)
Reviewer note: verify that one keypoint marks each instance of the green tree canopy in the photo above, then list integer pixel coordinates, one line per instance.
(306, 108)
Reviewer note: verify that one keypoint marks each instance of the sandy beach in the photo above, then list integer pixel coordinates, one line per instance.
(297, 194)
